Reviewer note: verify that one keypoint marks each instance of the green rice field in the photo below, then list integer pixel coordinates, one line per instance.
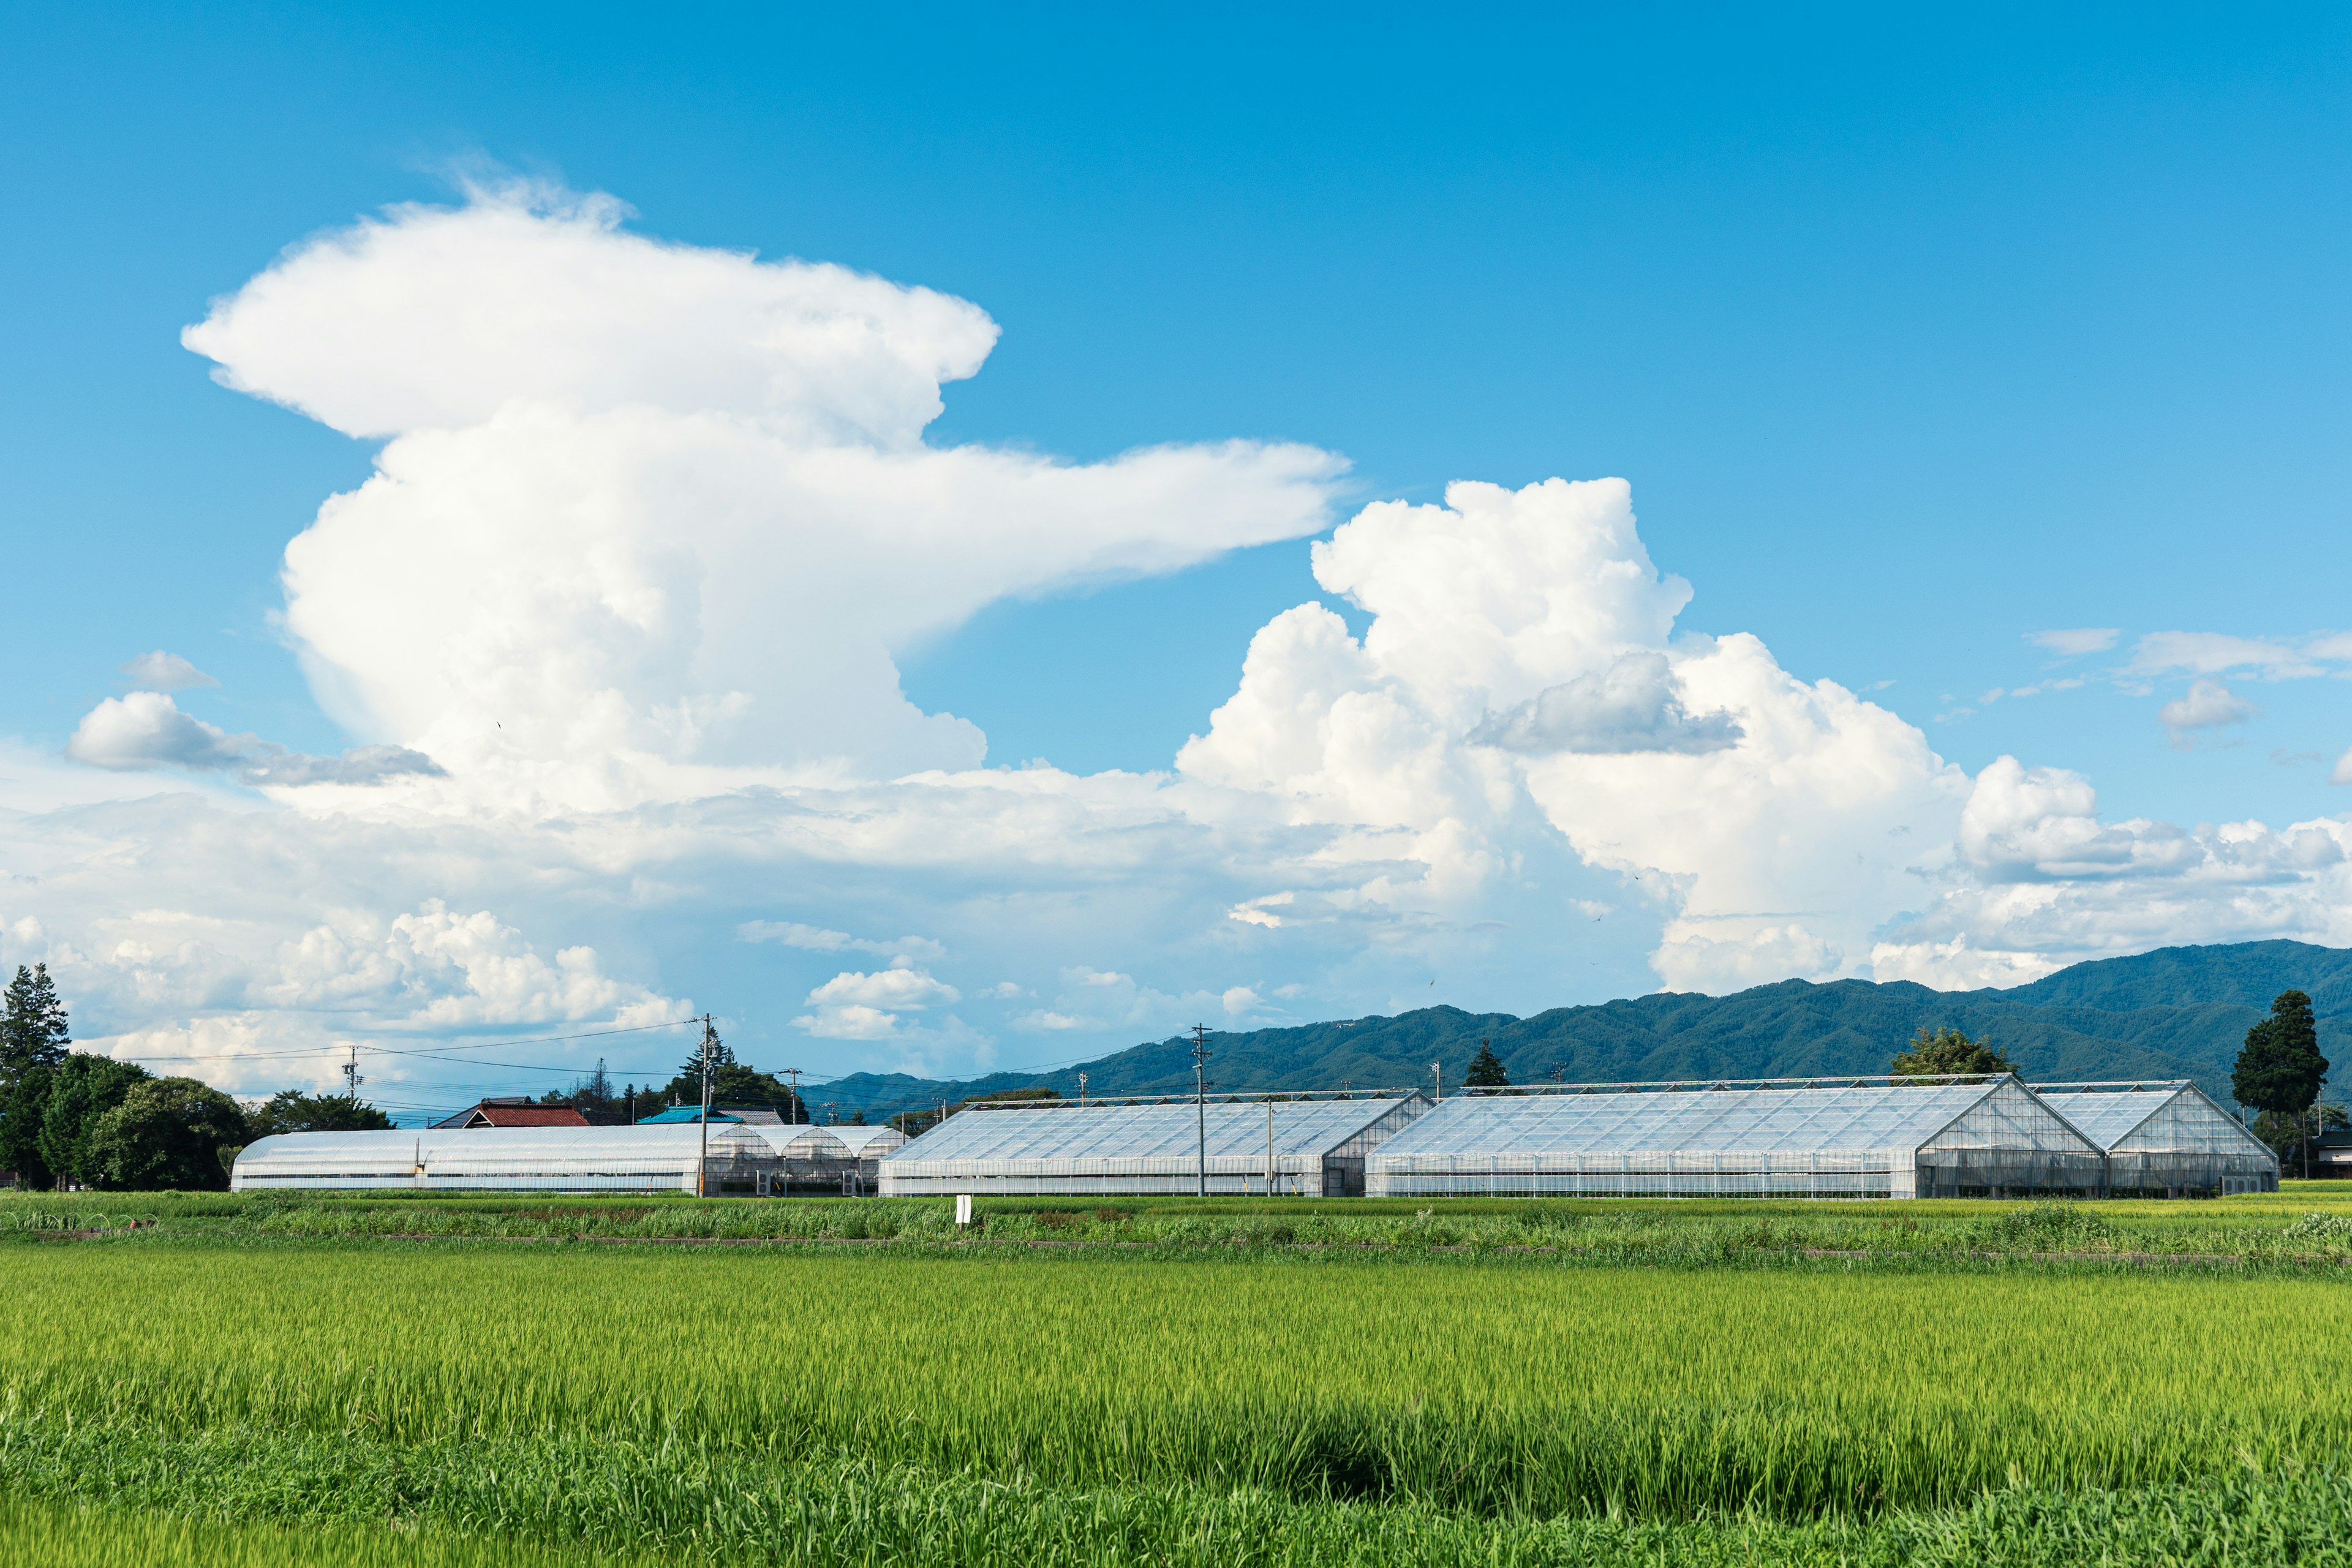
(605, 1381)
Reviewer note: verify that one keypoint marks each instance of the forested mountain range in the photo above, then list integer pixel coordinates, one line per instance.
(2178, 1011)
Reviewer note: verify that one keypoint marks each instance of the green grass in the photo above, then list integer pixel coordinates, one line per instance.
(47, 1537)
(1519, 1391)
(2257, 1232)
(429, 1380)
(245, 1502)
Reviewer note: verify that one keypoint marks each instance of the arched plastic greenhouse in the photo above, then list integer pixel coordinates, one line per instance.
(1314, 1146)
(828, 1159)
(1857, 1138)
(2165, 1140)
(532, 1159)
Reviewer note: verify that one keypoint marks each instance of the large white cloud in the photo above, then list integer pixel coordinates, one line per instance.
(2043, 880)
(1523, 650)
(647, 505)
(651, 524)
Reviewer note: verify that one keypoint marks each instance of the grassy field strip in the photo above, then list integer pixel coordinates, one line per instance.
(1493, 1390)
(235, 1500)
(2291, 1229)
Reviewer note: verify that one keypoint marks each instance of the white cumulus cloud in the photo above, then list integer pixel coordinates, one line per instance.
(649, 505)
(1760, 808)
(854, 1006)
(651, 523)
(2208, 705)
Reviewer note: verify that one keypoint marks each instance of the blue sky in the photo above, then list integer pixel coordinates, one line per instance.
(1913, 336)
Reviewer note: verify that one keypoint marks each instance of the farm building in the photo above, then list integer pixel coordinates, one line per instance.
(2165, 1140)
(1852, 1138)
(755, 1116)
(514, 1111)
(1311, 1145)
(536, 1159)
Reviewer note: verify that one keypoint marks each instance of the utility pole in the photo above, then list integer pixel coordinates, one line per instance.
(795, 1074)
(1270, 1148)
(702, 1168)
(1082, 1088)
(352, 1078)
(1201, 1099)
(1437, 1077)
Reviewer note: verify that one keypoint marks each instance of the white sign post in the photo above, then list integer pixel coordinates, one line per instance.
(963, 1208)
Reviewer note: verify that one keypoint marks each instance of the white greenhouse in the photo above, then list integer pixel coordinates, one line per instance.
(869, 1143)
(2165, 1140)
(1311, 1145)
(528, 1159)
(829, 1159)
(1848, 1138)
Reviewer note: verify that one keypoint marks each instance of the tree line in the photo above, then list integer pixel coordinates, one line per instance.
(70, 1119)
(733, 1085)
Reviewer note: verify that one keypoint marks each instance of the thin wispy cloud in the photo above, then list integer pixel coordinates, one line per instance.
(2076, 642)
(161, 671)
(2217, 653)
(146, 730)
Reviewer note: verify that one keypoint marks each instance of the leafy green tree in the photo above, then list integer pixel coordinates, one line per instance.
(1946, 1052)
(733, 1083)
(1486, 1069)
(2279, 1069)
(168, 1132)
(82, 1088)
(33, 1040)
(289, 1111)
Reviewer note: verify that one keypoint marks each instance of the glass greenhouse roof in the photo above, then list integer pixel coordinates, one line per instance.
(2147, 1115)
(1639, 1119)
(1302, 1130)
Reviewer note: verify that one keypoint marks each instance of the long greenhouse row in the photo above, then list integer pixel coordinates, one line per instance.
(735, 1158)
(1854, 1138)
(1849, 1138)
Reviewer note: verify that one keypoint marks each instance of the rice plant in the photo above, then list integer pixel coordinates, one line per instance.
(1502, 1392)
(245, 1502)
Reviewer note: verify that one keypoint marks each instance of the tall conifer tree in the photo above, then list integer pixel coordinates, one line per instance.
(34, 1039)
(2279, 1069)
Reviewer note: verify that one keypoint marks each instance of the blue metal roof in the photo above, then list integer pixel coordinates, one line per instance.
(689, 1114)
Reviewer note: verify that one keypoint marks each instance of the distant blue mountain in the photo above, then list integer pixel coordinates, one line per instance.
(2178, 1011)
